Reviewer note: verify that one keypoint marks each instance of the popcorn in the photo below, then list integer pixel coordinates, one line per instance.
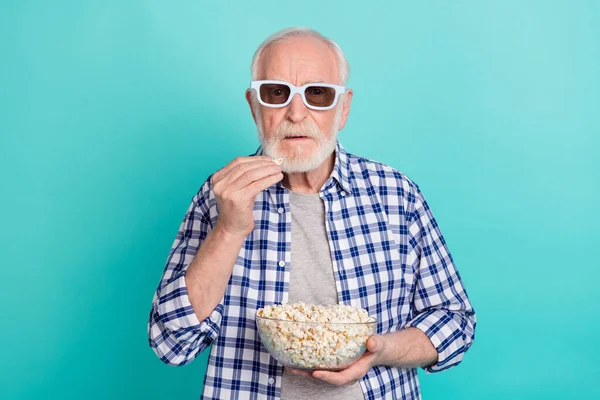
(308, 336)
(278, 161)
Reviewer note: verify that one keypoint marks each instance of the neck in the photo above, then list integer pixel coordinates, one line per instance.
(311, 181)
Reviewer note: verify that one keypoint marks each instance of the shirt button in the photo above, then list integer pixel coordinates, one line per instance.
(271, 381)
(280, 210)
(282, 263)
(343, 193)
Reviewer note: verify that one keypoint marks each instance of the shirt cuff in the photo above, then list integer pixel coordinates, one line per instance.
(445, 335)
(178, 316)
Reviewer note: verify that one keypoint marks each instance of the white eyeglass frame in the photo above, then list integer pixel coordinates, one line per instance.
(299, 90)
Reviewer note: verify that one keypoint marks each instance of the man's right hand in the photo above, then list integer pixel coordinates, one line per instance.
(235, 188)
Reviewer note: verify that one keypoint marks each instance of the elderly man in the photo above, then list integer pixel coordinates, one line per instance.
(324, 227)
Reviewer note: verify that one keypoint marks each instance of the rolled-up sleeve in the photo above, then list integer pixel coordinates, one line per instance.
(174, 331)
(441, 307)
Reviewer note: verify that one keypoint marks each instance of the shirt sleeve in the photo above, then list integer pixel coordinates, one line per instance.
(174, 331)
(441, 307)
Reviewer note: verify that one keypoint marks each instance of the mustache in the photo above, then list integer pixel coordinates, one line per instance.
(287, 129)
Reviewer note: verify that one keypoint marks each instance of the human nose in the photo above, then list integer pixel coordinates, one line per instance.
(297, 110)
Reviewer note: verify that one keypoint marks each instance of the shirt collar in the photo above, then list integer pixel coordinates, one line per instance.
(340, 173)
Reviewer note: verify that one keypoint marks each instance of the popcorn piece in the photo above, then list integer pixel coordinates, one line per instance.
(278, 161)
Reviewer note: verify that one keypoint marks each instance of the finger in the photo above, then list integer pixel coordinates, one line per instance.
(260, 185)
(249, 177)
(377, 347)
(339, 378)
(353, 373)
(300, 372)
(237, 161)
(376, 344)
(244, 174)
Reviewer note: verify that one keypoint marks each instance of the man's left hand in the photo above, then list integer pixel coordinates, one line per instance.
(376, 346)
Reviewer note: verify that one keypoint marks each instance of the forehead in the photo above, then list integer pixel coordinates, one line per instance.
(299, 60)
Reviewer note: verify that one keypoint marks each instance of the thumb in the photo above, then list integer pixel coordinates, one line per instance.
(375, 344)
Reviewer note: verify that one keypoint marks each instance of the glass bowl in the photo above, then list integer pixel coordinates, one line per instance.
(330, 346)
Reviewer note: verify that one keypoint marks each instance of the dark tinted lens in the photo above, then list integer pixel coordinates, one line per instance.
(273, 93)
(319, 96)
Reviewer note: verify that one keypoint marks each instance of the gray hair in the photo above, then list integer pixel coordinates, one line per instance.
(343, 66)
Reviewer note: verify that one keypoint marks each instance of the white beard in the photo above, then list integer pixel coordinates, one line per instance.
(297, 162)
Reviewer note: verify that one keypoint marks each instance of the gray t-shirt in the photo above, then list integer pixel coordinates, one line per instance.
(312, 281)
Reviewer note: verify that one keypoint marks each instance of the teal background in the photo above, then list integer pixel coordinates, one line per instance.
(113, 113)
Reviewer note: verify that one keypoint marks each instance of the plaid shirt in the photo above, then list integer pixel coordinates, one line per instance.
(388, 255)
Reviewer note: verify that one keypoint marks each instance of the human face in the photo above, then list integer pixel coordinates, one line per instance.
(303, 137)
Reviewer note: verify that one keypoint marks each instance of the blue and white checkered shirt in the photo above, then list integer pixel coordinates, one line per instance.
(388, 255)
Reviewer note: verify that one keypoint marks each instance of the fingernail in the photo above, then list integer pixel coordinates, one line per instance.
(278, 161)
